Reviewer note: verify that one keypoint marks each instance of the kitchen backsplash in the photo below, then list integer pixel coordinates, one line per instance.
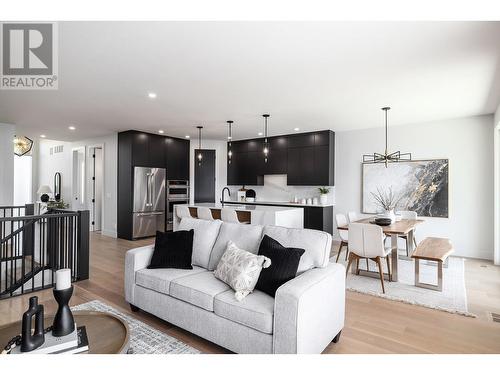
(276, 190)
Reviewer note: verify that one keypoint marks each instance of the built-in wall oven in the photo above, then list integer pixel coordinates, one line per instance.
(177, 193)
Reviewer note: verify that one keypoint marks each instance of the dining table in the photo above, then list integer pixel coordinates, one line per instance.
(401, 227)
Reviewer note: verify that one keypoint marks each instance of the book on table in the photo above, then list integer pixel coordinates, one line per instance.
(75, 342)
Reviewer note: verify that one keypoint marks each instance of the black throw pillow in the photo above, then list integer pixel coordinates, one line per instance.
(173, 250)
(283, 268)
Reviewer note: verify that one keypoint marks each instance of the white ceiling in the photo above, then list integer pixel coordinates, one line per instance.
(311, 75)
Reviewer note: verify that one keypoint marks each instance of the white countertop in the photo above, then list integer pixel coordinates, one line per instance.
(241, 207)
(291, 204)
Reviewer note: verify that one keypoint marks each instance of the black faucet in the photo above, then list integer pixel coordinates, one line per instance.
(222, 195)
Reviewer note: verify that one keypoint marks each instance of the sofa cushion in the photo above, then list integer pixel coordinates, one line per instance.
(317, 244)
(243, 235)
(284, 264)
(199, 289)
(173, 250)
(255, 311)
(240, 269)
(159, 279)
(205, 234)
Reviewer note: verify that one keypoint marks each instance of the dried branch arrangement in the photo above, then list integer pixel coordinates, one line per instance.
(386, 200)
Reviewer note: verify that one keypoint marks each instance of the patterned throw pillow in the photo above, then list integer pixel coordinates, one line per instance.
(240, 269)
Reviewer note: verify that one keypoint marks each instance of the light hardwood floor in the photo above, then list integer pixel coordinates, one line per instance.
(373, 325)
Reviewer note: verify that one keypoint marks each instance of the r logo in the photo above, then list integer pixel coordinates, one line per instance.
(27, 49)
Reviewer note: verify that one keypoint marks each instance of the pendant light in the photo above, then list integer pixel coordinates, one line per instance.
(229, 139)
(199, 156)
(266, 144)
(386, 157)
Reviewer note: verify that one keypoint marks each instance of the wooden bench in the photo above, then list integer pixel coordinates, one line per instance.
(434, 249)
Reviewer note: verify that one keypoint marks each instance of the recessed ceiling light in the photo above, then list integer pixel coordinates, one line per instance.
(260, 133)
(42, 135)
(161, 131)
(151, 95)
(71, 127)
(296, 129)
(187, 136)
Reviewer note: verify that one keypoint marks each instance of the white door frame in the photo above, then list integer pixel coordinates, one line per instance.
(496, 189)
(89, 181)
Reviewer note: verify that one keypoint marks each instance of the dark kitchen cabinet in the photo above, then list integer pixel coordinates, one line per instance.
(319, 218)
(156, 152)
(177, 159)
(307, 159)
(141, 149)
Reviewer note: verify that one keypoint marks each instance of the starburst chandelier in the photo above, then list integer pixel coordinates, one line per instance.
(386, 157)
(22, 145)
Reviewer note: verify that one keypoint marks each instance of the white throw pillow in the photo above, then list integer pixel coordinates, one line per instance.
(240, 269)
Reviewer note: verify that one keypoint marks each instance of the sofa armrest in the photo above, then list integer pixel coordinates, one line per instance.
(309, 310)
(135, 259)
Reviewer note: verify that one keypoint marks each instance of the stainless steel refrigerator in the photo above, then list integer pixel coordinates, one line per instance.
(149, 201)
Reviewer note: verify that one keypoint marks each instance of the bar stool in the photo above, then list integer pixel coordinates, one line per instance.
(230, 215)
(182, 211)
(204, 213)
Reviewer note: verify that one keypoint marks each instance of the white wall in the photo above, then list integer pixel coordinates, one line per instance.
(220, 165)
(23, 184)
(496, 137)
(7, 133)
(49, 164)
(467, 143)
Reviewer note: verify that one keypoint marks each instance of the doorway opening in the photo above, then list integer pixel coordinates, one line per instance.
(78, 179)
(96, 183)
(204, 176)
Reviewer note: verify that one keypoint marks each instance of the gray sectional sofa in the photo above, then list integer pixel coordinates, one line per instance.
(306, 314)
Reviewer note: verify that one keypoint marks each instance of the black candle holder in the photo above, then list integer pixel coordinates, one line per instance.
(64, 323)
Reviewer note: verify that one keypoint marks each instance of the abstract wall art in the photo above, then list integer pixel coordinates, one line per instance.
(421, 184)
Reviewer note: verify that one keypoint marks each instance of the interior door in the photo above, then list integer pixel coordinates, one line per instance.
(204, 177)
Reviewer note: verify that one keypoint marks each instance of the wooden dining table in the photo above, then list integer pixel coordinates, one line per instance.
(401, 227)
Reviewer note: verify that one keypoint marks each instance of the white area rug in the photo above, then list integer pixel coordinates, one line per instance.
(144, 339)
(452, 299)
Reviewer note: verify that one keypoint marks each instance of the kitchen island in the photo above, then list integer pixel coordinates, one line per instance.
(316, 216)
(290, 217)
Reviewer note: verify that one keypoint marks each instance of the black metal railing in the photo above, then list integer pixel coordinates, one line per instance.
(33, 247)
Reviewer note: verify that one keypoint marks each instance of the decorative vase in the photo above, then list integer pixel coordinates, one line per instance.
(323, 198)
(389, 214)
(30, 341)
(64, 323)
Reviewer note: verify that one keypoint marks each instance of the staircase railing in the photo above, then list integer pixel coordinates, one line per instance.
(33, 247)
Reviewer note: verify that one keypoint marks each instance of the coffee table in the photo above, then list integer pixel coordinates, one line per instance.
(107, 333)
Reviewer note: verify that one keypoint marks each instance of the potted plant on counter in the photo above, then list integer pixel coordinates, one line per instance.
(323, 194)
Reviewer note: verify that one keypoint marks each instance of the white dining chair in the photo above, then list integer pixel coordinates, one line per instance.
(342, 221)
(353, 216)
(204, 213)
(366, 241)
(182, 211)
(408, 215)
(230, 215)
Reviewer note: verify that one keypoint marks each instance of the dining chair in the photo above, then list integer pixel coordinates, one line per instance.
(182, 211)
(230, 215)
(366, 241)
(204, 213)
(353, 216)
(408, 215)
(342, 221)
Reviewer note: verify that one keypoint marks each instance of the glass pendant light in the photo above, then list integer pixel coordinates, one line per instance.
(199, 156)
(229, 139)
(266, 144)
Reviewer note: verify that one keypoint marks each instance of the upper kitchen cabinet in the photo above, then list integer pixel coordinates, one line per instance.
(177, 158)
(307, 159)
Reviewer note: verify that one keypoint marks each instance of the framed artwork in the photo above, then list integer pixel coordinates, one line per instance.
(421, 184)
